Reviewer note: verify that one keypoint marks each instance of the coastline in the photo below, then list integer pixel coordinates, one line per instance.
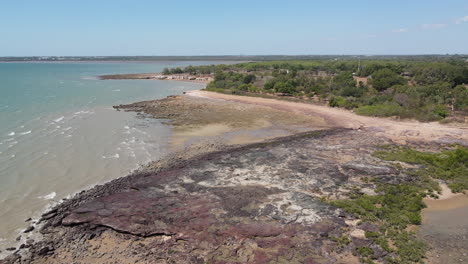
(158, 76)
(400, 131)
(407, 132)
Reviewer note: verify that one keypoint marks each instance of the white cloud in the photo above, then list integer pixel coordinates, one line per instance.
(433, 26)
(461, 20)
(400, 30)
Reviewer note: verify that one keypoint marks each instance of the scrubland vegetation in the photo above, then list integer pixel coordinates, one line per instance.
(398, 206)
(424, 89)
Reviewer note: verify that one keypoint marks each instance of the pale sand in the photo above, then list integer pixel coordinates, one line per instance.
(399, 131)
(447, 200)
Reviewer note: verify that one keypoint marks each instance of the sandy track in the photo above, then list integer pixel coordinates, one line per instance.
(398, 131)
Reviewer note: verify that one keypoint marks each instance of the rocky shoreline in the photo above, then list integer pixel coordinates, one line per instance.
(223, 206)
(221, 202)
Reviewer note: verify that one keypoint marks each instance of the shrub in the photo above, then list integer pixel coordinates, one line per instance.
(337, 101)
(440, 111)
(381, 110)
(249, 78)
(352, 91)
(284, 87)
(451, 166)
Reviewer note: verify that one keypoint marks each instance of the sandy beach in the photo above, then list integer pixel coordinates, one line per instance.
(399, 131)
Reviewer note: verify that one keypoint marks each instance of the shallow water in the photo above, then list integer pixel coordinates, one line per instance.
(445, 228)
(59, 133)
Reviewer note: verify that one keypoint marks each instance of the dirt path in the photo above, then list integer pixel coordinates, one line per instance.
(398, 131)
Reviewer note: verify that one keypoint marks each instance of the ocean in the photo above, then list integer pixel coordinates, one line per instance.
(59, 133)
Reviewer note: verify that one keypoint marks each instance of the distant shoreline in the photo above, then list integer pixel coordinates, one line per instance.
(158, 76)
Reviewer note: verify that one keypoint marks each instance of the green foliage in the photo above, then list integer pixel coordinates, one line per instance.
(365, 251)
(433, 87)
(381, 110)
(249, 78)
(343, 80)
(284, 87)
(353, 91)
(337, 101)
(460, 98)
(440, 111)
(410, 249)
(449, 165)
(342, 241)
(398, 206)
(432, 73)
(386, 78)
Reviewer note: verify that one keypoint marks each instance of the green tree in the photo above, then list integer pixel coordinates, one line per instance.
(460, 97)
(284, 87)
(386, 78)
(343, 80)
(249, 78)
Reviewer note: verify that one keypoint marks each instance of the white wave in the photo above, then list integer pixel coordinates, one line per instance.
(59, 119)
(66, 129)
(25, 132)
(116, 90)
(115, 156)
(49, 196)
(126, 127)
(11, 134)
(82, 112)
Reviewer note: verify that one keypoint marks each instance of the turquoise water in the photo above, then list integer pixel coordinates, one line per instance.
(59, 133)
(29, 90)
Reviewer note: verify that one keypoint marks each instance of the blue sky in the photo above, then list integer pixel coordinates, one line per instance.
(117, 27)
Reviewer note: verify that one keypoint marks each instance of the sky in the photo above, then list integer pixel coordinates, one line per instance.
(253, 27)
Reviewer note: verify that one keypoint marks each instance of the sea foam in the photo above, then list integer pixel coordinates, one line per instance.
(25, 132)
(59, 119)
(49, 196)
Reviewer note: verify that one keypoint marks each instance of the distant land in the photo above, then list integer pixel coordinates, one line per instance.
(232, 58)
